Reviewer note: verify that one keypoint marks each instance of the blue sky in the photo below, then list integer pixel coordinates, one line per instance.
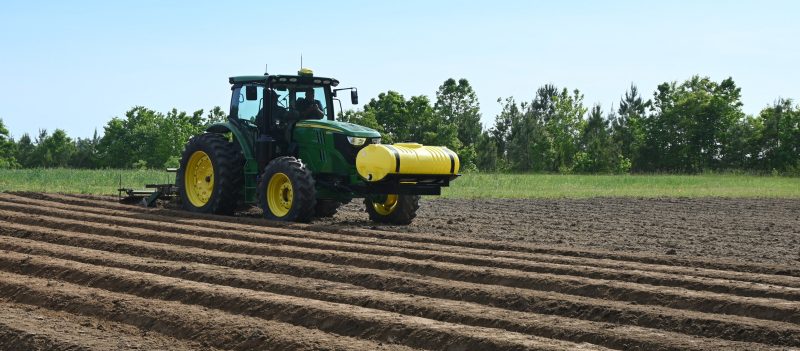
(76, 64)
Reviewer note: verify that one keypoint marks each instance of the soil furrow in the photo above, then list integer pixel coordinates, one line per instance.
(728, 327)
(604, 334)
(24, 327)
(262, 226)
(209, 327)
(649, 258)
(15, 337)
(337, 318)
(764, 308)
(329, 241)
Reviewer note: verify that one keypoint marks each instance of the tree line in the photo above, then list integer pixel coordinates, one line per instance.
(143, 138)
(694, 126)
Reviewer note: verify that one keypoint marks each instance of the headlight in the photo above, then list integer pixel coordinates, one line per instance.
(356, 141)
(376, 140)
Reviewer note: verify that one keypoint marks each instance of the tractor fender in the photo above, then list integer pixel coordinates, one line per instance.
(244, 138)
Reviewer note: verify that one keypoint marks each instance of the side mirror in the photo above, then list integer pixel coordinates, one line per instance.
(251, 92)
(354, 97)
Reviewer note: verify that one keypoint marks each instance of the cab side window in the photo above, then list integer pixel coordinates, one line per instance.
(251, 102)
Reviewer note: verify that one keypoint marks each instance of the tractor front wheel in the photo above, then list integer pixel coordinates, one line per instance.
(210, 177)
(392, 209)
(286, 191)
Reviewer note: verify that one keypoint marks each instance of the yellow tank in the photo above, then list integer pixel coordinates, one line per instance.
(374, 162)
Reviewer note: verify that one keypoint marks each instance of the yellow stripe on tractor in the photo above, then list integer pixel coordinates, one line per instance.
(308, 125)
(374, 162)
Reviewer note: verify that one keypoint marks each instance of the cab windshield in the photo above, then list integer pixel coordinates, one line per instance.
(300, 101)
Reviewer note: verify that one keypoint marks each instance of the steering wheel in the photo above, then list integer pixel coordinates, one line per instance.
(250, 123)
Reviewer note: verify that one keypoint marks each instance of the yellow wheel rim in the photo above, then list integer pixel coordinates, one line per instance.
(279, 194)
(199, 179)
(387, 207)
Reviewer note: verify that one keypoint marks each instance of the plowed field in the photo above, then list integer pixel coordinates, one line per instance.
(87, 273)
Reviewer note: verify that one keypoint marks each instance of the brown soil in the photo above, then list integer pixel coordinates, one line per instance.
(494, 277)
(755, 230)
(26, 327)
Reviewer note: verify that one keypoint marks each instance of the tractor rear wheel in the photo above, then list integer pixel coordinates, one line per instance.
(286, 191)
(210, 177)
(393, 209)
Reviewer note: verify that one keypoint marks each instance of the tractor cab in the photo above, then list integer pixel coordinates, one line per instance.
(273, 109)
(272, 103)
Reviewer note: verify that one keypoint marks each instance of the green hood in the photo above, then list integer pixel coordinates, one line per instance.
(345, 128)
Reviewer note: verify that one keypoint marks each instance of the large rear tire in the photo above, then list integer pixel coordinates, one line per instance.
(210, 177)
(393, 209)
(286, 191)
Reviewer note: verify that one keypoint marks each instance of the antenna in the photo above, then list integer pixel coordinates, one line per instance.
(301, 60)
(266, 69)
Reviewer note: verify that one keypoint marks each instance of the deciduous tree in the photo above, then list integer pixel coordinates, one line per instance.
(457, 103)
(597, 154)
(53, 150)
(24, 151)
(7, 148)
(779, 142)
(689, 124)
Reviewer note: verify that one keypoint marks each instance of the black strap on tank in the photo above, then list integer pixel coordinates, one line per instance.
(396, 158)
(452, 160)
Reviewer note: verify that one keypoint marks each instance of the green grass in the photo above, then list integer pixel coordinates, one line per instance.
(83, 181)
(583, 186)
(472, 185)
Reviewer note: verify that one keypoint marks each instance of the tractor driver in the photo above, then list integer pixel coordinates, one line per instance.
(278, 112)
(309, 107)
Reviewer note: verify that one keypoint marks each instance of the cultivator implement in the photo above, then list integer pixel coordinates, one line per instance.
(151, 193)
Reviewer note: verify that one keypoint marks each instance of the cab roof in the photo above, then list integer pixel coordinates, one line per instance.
(262, 79)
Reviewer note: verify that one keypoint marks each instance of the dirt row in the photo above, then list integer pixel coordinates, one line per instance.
(588, 267)
(746, 230)
(447, 310)
(543, 253)
(370, 289)
(29, 327)
(644, 294)
(169, 318)
(462, 232)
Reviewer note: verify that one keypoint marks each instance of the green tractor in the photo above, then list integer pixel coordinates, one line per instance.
(282, 149)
